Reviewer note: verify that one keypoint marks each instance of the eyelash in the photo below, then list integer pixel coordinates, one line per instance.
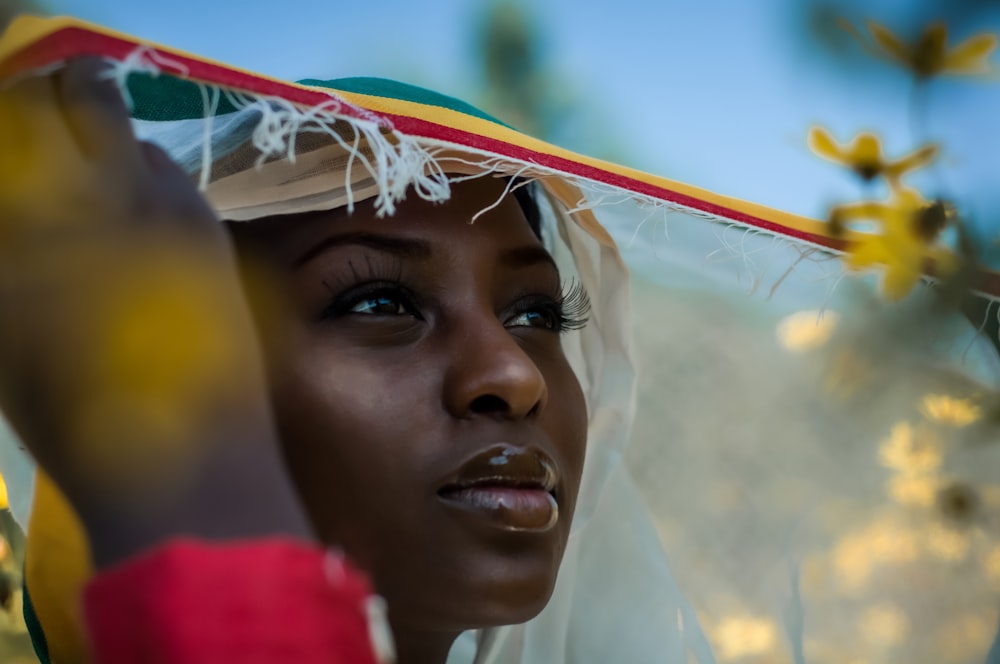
(569, 311)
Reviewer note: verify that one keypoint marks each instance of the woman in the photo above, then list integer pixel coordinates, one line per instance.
(420, 356)
(430, 355)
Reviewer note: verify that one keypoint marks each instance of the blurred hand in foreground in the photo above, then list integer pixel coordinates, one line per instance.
(128, 362)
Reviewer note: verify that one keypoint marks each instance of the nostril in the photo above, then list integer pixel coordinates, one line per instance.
(489, 404)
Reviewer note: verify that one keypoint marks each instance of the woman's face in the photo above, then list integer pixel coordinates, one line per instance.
(429, 416)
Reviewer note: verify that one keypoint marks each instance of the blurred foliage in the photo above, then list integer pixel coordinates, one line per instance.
(11, 8)
(520, 85)
(815, 27)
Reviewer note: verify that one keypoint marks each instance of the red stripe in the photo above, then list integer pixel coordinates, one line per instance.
(74, 42)
(417, 127)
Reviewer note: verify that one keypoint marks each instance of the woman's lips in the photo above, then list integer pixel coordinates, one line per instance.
(508, 507)
(508, 488)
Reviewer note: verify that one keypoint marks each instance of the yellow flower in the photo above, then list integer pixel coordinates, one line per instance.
(947, 543)
(913, 490)
(910, 451)
(949, 410)
(910, 226)
(929, 54)
(863, 155)
(884, 625)
(992, 564)
(806, 330)
(745, 636)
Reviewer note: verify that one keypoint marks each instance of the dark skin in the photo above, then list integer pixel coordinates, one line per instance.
(412, 344)
(373, 399)
(100, 349)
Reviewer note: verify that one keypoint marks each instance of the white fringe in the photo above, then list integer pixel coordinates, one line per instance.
(397, 161)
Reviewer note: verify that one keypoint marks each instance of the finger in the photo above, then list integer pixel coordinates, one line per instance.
(96, 115)
(38, 155)
(174, 186)
(31, 121)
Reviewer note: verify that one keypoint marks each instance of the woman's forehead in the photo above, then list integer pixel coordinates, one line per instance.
(480, 212)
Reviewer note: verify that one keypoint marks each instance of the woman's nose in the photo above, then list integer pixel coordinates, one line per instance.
(490, 374)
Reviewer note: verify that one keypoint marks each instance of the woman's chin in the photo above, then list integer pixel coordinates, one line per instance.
(504, 596)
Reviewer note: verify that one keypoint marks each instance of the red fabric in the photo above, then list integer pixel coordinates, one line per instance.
(257, 602)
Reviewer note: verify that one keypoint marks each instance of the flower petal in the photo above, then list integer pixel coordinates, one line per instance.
(865, 150)
(821, 143)
(889, 43)
(899, 279)
(934, 41)
(912, 161)
(865, 210)
(970, 57)
(866, 251)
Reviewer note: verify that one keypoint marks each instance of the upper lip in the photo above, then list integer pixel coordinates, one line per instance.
(507, 466)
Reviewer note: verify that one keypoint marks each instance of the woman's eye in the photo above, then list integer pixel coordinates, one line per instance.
(379, 305)
(375, 301)
(536, 318)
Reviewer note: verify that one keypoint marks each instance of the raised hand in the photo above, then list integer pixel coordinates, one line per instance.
(128, 362)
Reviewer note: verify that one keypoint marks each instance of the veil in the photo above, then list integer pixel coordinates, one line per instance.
(817, 467)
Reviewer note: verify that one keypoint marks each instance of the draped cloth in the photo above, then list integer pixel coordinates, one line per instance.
(774, 461)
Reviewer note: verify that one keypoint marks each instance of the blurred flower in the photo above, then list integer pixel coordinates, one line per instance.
(929, 55)
(909, 450)
(806, 330)
(913, 490)
(853, 561)
(949, 410)
(992, 565)
(739, 637)
(947, 543)
(891, 542)
(910, 226)
(882, 542)
(863, 155)
(4, 503)
(964, 638)
(884, 625)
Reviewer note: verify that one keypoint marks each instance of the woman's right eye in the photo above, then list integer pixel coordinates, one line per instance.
(380, 305)
(379, 301)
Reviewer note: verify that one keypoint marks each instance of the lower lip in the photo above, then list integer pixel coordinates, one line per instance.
(508, 508)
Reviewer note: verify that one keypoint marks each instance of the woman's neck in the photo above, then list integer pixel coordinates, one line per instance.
(421, 646)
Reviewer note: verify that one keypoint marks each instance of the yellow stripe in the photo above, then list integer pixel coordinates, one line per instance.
(451, 118)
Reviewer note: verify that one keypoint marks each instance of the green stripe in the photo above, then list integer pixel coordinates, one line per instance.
(384, 87)
(35, 629)
(166, 98)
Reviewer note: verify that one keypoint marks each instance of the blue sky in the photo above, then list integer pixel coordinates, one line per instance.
(711, 92)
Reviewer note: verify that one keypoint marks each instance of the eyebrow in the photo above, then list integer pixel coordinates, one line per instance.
(527, 257)
(518, 257)
(403, 247)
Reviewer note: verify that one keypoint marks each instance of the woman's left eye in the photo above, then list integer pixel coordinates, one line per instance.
(537, 318)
